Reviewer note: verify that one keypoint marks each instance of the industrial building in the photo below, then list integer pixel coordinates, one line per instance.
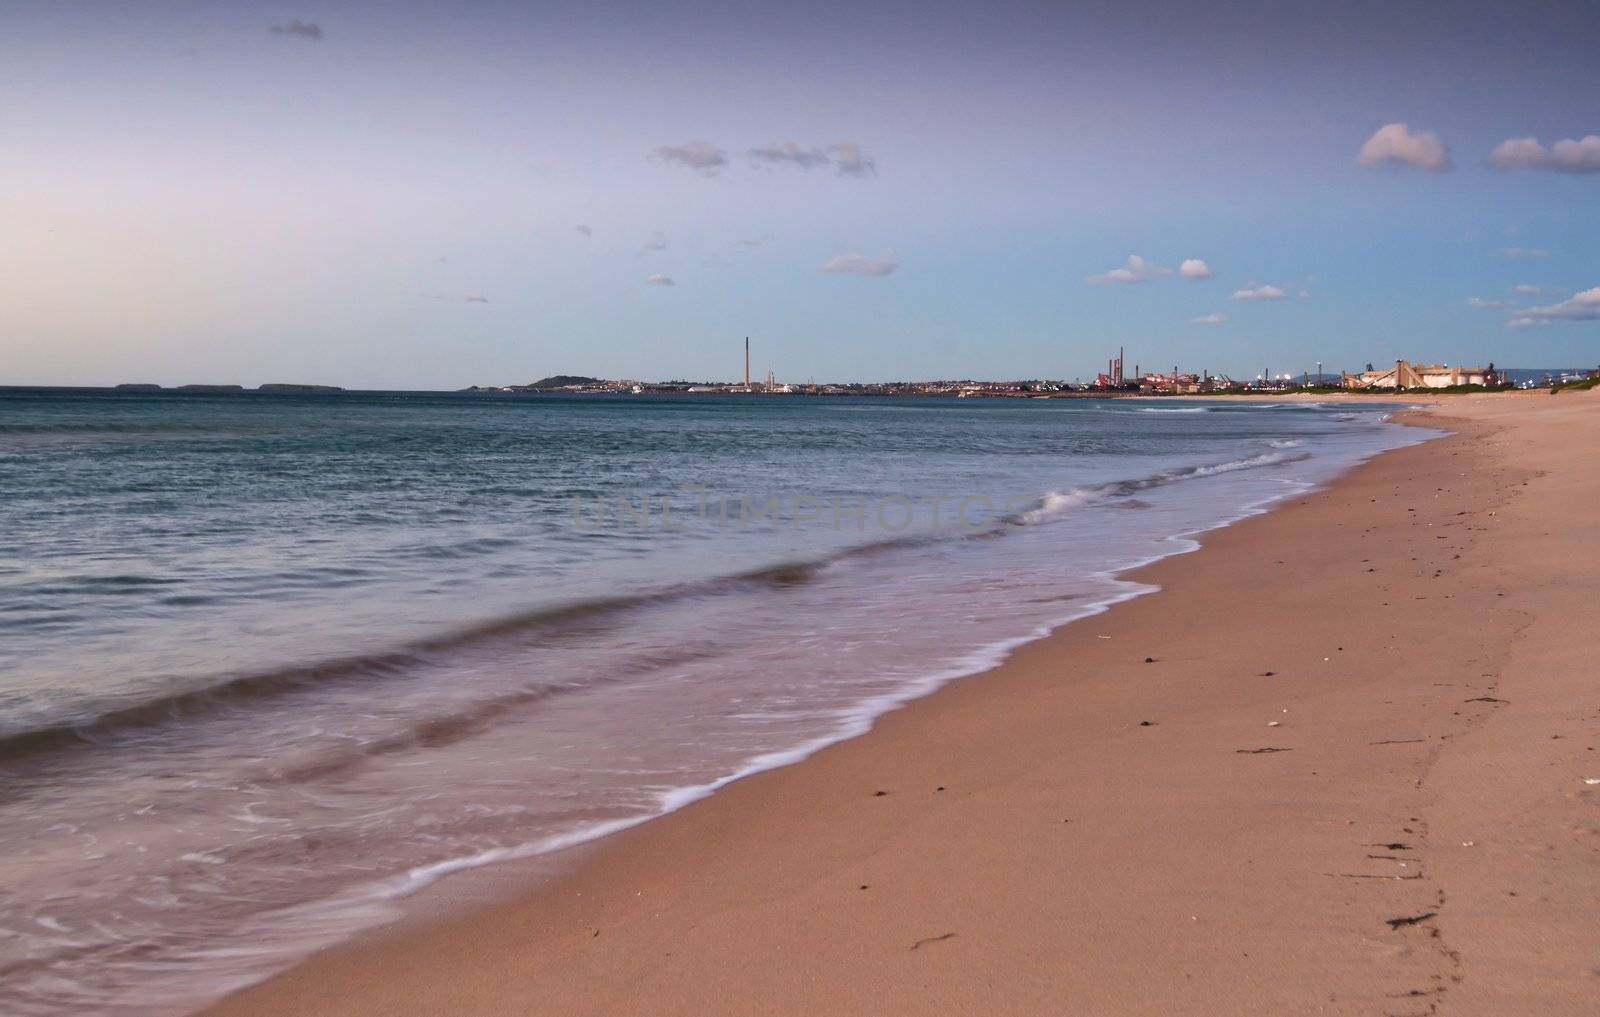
(1404, 375)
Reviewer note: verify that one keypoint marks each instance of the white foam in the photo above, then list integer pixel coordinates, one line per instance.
(1264, 459)
(1056, 502)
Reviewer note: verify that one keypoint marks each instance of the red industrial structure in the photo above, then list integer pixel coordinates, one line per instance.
(1112, 377)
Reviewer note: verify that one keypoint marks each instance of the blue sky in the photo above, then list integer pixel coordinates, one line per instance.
(389, 195)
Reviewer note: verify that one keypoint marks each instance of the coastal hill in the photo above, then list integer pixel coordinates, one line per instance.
(562, 381)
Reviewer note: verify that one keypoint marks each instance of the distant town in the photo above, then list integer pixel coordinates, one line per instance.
(1114, 380)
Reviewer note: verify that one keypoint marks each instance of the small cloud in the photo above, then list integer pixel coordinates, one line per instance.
(1523, 324)
(700, 156)
(790, 152)
(1569, 155)
(760, 241)
(1194, 268)
(1263, 292)
(1525, 252)
(1528, 289)
(475, 298)
(587, 231)
(1209, 319)
(850, 161)
(1394, 143)
(860, 264)
(846, 157)
(1581, 306)
(1136, 270)
(298, 29)
(657, 242)
(659, 280)
(1480, 302)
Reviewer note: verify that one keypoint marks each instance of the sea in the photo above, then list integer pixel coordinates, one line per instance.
(270, 664)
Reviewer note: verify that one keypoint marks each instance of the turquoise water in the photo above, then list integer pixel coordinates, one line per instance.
(269, 662)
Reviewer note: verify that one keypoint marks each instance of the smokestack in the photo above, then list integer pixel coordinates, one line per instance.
(746, 361)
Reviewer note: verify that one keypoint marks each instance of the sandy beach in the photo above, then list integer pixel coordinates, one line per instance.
(1337, 765)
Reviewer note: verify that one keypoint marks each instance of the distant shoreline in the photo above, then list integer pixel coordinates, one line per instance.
(897, 390)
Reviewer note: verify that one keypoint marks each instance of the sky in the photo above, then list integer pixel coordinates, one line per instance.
(428, 196)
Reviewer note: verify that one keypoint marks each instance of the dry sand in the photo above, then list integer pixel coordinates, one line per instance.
(1350, 780)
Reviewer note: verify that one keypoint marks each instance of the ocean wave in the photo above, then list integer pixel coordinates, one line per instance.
(553, 622)
(569, 619)
(1057, 502)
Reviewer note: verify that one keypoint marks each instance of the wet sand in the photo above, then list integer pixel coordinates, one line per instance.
(1337, 765)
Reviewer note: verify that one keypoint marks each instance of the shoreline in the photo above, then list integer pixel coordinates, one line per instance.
(808, 818)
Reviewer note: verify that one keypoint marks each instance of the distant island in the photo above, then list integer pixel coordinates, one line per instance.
(276, 389)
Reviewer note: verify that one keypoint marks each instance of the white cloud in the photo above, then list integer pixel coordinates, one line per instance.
(660, 280)
(585, 230)
(850, 161)
(475, 298)
(1528, 289)
(701, 156)
(790, 152)
(860, 264)
(1262, 292)
(1521, 324)
(1526, 252)
(1194, 268)
(1394, 143)
(1568, 155)
(1136, 270)
(1209, 319)
(1581, 306)
(1480, 302)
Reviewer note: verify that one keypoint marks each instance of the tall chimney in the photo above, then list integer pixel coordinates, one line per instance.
(746, 361)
